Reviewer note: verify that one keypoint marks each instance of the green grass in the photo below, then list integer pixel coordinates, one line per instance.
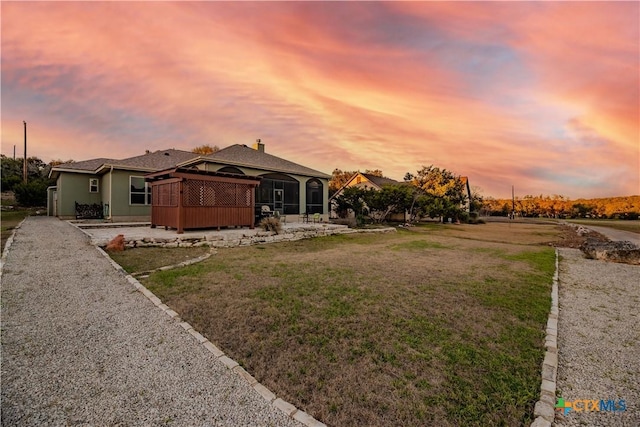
(10, 219)
(414, 327)
(138, 260)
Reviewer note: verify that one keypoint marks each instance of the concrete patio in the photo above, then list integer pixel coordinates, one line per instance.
(137, 235)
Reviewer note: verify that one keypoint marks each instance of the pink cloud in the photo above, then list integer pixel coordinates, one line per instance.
(498, 92)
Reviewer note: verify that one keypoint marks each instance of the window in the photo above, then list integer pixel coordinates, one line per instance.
(93, 185)
(314, 196)
(280, 192)
(139, 191)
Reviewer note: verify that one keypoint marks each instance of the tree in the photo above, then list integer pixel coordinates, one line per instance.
(11, 172)
(338, 179)
(37, 170)
(440, 192)
(352, 198)
(57, 162)
(476, 202)
(205, 149)
(33, 193)
(374, 172)
(391, 198)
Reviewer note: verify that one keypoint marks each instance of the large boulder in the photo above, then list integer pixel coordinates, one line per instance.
(624, 252)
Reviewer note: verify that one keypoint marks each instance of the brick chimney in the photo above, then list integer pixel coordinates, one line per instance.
(258, 146)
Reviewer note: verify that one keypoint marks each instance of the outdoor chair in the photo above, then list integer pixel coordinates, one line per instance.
(316, 217)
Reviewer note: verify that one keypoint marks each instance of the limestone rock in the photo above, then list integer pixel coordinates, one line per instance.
(623, 252)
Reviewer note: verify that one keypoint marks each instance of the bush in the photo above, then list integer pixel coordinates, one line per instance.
(474, 218)
(271, 224)
(33, 193)
(9, 183)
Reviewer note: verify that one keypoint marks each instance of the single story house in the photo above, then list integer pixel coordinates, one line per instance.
(368, 181)
(365, 181)
(119, 189)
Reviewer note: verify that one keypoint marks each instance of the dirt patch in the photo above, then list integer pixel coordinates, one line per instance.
(570, 238)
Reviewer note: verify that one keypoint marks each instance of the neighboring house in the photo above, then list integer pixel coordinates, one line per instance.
(119, 186)
(366, 181)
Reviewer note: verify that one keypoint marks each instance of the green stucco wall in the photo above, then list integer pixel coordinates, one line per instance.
(72, 188)
(120, 206)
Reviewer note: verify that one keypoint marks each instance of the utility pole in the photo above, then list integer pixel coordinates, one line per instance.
(513, 203)
(24, 161)
(14, 151)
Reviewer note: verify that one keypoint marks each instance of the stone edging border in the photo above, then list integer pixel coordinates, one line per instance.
(8, 244)
(201, 258)
(544, 410)
(286, 407)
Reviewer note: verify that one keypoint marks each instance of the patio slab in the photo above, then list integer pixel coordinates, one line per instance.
(145, 235)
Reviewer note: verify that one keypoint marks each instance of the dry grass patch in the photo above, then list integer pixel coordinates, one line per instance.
(430, 326)
(136, 260)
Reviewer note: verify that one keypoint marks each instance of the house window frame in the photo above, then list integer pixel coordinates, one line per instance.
(314, 187)
(146, 192)
(94, 185)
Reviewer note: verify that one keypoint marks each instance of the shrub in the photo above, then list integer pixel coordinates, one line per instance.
(474, 218)
(271, 224)
(33, 193)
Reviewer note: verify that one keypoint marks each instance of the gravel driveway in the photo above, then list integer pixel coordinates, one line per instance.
(81, 347)
(598, 338)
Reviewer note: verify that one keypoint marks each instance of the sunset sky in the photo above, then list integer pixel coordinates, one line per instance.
(541, 95)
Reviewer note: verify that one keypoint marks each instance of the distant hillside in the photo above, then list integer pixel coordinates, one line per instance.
(555, 206)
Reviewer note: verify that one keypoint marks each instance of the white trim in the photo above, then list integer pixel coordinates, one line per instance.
(126, 168)
(147, 192)
(97, 185)
(111, 192)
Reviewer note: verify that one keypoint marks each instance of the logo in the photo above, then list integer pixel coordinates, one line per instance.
(590, 405)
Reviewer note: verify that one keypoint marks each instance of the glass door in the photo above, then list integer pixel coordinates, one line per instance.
(278, 200)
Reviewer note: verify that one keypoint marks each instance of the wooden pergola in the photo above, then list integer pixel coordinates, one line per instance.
(184, 198)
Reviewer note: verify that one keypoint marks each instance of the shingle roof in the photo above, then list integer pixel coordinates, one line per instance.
(157, 160)
(379, 180)
(242, 155)
(85, 165)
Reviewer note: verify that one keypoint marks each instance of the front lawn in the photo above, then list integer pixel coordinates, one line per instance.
(435, 325)
(10, 219)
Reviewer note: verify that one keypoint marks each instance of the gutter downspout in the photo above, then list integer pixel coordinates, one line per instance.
(110, 193)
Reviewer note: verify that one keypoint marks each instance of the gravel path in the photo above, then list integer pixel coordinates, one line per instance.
(81, 347)
(616, 235)
(598, 338)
